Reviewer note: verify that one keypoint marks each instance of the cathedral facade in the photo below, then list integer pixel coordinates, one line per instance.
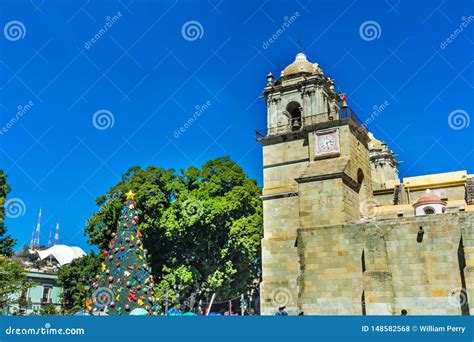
(343, 235)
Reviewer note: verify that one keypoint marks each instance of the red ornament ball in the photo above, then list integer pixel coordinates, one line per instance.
(106, 253)
(122, 248)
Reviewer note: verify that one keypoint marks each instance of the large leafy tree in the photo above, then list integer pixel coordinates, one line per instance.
(6, 242)
(76, 278)
(12, 281)
(203, 226)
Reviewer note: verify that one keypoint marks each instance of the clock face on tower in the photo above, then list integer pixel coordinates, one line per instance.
(327, 143)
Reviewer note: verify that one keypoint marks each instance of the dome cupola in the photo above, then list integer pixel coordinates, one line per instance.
(301, 65)
(428, 204)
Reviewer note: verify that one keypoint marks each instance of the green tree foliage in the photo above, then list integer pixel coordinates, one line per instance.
(6, 242)
(203, 226)
(49, 310)
(76, 278)
(12, 281)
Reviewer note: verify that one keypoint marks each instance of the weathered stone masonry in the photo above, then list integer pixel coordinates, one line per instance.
(342, 234)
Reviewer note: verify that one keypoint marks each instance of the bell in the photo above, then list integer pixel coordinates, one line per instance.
(296, 123)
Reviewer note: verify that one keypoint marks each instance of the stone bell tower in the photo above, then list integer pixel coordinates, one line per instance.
(316, 173)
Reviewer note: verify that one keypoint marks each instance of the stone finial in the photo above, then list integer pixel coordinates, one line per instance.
(270, 79)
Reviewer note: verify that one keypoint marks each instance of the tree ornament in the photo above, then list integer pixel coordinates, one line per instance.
(111, 279)
(106, 253)
(130, 195)
(132, 296)
(127, 307)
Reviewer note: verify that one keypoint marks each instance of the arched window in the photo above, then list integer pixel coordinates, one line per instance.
(429, 210)
(294, 110)
(360, 176)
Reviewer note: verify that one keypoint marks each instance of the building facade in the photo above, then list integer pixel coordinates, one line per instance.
(42, 266)
(343, 235)
(45, 292)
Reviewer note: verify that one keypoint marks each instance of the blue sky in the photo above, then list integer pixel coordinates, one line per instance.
(149, 75)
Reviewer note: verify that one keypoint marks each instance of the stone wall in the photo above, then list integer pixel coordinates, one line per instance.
(451, 193)
(381, 267)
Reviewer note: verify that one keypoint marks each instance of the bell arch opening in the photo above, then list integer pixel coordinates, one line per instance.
(294, 110)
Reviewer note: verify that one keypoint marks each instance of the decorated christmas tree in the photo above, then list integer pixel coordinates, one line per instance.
(125, 285)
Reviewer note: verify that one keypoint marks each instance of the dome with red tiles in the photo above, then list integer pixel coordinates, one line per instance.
(429, 197)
